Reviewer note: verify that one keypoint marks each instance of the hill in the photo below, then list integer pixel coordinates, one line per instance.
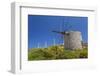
(56, 52)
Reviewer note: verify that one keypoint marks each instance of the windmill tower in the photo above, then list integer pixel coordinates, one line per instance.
(72, 39)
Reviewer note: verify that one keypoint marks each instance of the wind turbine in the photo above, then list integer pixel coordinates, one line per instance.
(38, 46)
(54, 41)
(46, 44)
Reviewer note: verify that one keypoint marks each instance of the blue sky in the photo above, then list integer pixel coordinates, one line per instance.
(40, 29)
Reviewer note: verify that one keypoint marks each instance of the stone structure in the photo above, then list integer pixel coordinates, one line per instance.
(73, 40)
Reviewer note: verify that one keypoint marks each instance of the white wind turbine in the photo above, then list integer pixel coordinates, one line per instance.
(54, 42)
(38, 46)
(46, 44)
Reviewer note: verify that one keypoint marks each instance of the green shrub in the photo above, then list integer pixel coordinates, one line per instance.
(56, 52)
(36, 54)
(84, 53)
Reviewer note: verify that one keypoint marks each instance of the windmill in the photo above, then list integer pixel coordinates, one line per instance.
(72, 39)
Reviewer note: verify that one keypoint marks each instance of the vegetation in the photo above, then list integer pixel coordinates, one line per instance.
(56, 52)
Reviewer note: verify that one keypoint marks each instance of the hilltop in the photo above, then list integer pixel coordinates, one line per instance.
(56, 52)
